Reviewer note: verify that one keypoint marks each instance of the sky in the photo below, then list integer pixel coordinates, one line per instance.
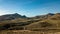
(29, 7)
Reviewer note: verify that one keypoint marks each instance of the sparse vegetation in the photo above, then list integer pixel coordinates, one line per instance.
(49, 23)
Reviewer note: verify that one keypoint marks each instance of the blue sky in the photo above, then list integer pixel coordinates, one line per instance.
(29, 7)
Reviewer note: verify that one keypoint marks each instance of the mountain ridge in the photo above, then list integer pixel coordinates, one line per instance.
(49, 20)
(11, 16)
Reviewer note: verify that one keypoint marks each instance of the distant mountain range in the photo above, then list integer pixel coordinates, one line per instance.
(19, 22)
(11, 16)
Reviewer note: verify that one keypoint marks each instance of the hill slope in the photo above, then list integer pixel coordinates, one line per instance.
(16, 21)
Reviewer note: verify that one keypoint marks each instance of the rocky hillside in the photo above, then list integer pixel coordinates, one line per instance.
(18, 22)
(11, 16)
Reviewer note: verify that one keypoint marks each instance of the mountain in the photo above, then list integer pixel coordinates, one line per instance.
(55, 17)
(42, 17)
(18, 22)
(11, 16)
(48, 21)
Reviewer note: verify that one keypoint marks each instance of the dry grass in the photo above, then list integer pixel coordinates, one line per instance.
(26, 32)
(34, 24)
